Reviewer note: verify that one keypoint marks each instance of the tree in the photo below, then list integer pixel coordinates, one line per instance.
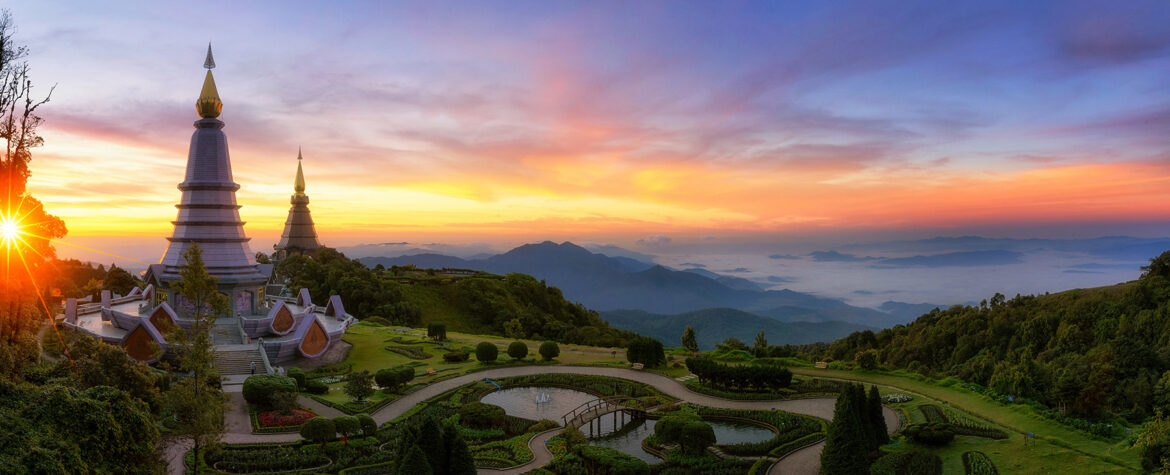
(259, 388)
(430, 440)
(437, 331)
(845, 449)
(1159, 266)
(415, 463)
(518, 350)
(20, 311)
(318, 429)
(695, 436)
(688, 340)
(647, 351)
(368, 425)
(549, 350)
(359, 385)
(877, 419)
(119, 281)
(760, 348)
(59, 429)
(284, 402)
(196, 399)
(346, 426)
(459, 459)
(391, 379)
(481, 415)
(486, 352)
(297, 375)
(514, 329)
(866, 359)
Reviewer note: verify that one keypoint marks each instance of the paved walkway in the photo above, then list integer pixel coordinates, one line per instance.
(821, 407)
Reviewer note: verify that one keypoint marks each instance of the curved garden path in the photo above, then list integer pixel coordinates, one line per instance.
(803, 461)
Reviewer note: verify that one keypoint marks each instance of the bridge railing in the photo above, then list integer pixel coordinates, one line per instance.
(598, 405)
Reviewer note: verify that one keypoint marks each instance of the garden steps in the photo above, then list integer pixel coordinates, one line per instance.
(238, 361)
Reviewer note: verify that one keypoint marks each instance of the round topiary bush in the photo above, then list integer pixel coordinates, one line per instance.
(346, 425)
(518, 350)
(258, 389)
(367, 424)
(667, 429)
(695, 436)
(315, 386)
(549, 350)
(318, 429)
(486, 352)
(297, 375)
(932, 433)
(482, 416)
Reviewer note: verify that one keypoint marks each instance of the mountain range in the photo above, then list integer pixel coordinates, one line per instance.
(607, 283)
(714, 325)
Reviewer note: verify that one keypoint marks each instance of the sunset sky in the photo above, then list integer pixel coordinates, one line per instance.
(622, 122)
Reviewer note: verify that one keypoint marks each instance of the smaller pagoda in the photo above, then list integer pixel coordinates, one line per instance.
(299, 236)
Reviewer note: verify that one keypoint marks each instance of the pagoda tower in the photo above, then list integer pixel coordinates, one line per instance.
(300, 235)
(209, 215)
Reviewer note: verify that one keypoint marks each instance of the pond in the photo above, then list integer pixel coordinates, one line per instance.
(537, 403)
(522, 402)
(628, 439)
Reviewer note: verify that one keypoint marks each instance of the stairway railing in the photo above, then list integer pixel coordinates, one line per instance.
(263, 355)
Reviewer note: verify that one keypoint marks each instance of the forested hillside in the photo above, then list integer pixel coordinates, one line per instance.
(515, 305)
(1090, 351)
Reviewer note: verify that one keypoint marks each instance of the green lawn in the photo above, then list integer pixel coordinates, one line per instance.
(1060, 448)
(370, 341)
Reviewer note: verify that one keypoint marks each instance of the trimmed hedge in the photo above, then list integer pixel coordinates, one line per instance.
(606, 460)
(258, 389)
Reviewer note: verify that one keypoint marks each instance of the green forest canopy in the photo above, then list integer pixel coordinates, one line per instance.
(1091, 351)
(480, 303)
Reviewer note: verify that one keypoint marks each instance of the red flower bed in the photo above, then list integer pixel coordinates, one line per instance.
(274, 419)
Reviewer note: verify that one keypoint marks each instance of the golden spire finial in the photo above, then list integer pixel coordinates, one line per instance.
(208, 105)
(299, 184)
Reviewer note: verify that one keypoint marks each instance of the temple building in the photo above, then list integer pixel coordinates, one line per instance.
(299, 236)
(260, 330)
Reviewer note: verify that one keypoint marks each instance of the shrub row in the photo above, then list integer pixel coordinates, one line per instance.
(977, 463)
(410, 352)
(710, 371)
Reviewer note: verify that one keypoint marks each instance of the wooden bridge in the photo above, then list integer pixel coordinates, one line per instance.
(590, 412)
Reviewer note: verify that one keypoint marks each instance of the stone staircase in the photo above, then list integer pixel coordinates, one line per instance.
(238, 361)
(226, 335)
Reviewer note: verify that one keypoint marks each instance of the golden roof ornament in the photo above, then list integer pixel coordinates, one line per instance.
(299, 184)
(209, 106)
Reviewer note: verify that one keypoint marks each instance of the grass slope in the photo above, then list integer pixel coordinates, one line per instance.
(1060, 449)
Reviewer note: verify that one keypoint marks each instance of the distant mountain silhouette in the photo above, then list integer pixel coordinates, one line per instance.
(607, 283)
(714, 325)
(909, 310)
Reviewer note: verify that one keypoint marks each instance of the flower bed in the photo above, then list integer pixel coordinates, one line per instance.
(297, 417)
(897, 398)
(269, 422)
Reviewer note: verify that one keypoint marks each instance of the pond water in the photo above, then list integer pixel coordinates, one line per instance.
(628, 438)
(523, 402)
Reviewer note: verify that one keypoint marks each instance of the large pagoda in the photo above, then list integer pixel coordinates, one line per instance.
(299, 236)
(260, 330)
(209, 215)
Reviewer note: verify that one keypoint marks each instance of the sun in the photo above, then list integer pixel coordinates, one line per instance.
(9, 230)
